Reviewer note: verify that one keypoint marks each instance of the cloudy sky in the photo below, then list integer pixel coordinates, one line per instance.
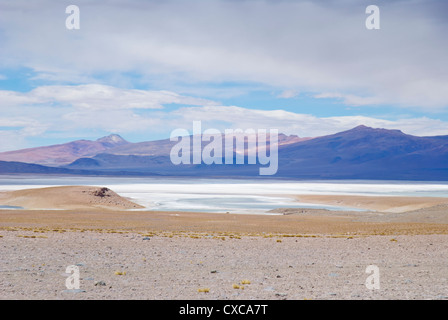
(142, 68)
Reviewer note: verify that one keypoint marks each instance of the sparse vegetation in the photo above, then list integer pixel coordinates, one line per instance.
(120, 273)
(103, 192)
(31, 237)
(237, 286)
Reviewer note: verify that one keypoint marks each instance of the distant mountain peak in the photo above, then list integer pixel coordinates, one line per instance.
(363, 128)
(65, 153)
(113, 139)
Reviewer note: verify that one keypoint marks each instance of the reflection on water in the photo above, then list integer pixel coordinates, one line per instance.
(10, 207)
(227, 203)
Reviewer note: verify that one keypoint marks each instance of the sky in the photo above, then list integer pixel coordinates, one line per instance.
(142, 68)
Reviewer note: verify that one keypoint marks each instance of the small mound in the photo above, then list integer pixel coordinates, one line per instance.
(67, 197)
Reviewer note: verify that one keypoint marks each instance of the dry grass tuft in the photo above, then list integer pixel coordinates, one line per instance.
(120, 273)
(237, 286)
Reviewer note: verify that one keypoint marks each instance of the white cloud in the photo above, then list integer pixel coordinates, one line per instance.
(95, 96)
(14, 132)
(73, 110)
(303, 125)
(287, 94)
(319, 47)
(13, 98)
(21, 123)
(113, 121)
(350, 99)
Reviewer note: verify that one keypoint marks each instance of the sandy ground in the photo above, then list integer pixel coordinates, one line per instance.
(389, 204)
(67, 197)
(170, 266)
(296, 254)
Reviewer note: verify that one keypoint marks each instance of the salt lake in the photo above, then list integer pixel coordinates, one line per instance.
(228, 195)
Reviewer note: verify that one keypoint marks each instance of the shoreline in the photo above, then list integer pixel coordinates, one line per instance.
(101, 208)
(309, 221)
(386, 204)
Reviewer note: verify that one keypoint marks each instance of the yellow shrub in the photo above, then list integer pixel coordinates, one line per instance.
(120, 273)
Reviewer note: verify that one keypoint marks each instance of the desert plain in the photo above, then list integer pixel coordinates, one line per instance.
(123, 251)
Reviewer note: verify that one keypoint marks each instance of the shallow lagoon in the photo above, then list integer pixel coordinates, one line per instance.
(228, 195)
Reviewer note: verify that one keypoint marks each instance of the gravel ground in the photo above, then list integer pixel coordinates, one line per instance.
(179, 266)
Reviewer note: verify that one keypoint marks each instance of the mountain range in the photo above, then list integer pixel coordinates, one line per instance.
(359, 153)
(62, 154)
